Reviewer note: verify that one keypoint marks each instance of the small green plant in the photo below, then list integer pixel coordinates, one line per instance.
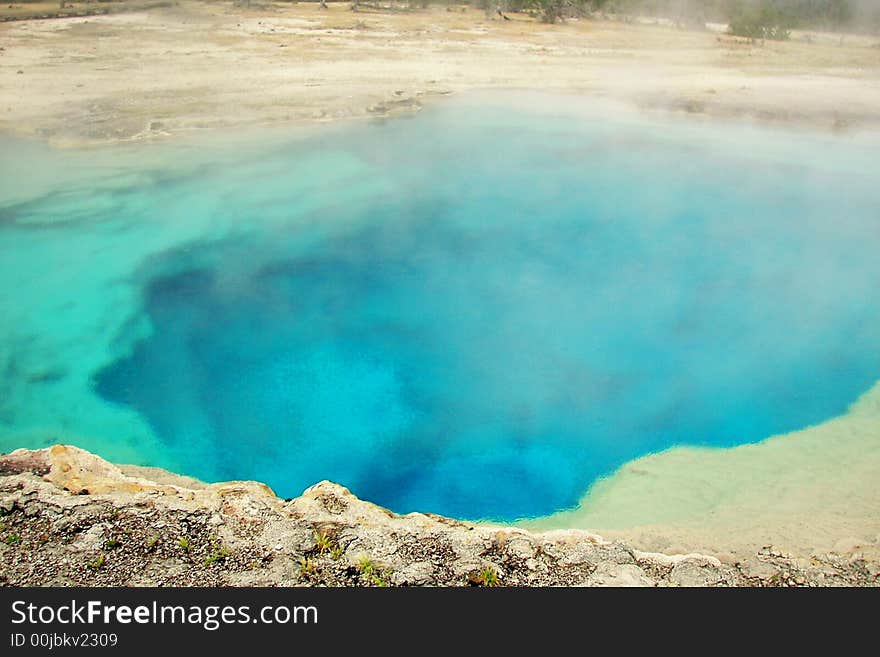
(336, 553)
(307, 566)
(185, 543)
(323, 541)
(112, 543)
(219, 554)
(151, 542)
(371, 571)
(99, 562)
(12, 539)
(366, 567)
(487, 577)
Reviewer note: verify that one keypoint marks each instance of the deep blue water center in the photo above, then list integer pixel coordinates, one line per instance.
(495, 308)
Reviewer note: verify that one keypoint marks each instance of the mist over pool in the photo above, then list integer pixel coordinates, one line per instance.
(477, 311)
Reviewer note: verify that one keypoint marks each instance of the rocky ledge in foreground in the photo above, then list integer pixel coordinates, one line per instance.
(68, 517)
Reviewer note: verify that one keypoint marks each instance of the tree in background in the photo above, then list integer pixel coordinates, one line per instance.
(824, 13)
(774, 19)
(759, 20)
(551, 11)
(839, 12)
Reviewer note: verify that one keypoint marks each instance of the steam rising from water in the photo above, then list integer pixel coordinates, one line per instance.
(518, 303)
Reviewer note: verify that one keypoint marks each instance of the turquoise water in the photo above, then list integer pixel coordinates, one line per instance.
(478, 311)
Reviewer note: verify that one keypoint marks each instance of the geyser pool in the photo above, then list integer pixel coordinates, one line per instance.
(481, 310)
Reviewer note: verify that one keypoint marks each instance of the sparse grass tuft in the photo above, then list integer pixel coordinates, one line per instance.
(185, 543)
(151, 542)
(336, 553)
(307, 566)
(218, 555)
(366, 567)
(323, 541)
(486, 577)
(12, 539)
(373, 574)
(99, 562)
(112, 543)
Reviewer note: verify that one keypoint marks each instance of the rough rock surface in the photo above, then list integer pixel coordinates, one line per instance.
(68, 517)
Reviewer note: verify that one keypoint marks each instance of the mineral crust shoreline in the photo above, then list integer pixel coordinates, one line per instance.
(70, 518)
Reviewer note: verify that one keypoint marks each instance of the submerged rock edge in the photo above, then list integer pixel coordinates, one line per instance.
(68, 517)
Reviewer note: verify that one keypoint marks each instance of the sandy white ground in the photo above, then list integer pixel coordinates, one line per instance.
(201, 65)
